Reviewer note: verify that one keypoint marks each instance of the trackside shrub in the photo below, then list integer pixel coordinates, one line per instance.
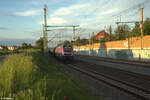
(31, 76)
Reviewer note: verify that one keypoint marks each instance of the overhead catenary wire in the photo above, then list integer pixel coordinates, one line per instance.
(142, 4)
(105, 3)
(125, 15)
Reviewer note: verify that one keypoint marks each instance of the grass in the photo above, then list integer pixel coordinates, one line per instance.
(31, 76)
(6, 52)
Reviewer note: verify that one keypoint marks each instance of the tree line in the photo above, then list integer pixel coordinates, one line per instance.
(121, 32)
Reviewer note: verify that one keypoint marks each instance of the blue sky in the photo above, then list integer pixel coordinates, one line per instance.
(24, 18)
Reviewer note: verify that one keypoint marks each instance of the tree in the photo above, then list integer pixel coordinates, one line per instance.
(146, 26)
(122, 31)
(39, 44)
(24, 45)
(136, 31)
(110, 36)
(5, 48)
(29, 46)
(67, 42)
(77, 42)
(110, 30)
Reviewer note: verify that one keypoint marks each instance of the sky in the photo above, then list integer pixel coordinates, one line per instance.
(23, 19)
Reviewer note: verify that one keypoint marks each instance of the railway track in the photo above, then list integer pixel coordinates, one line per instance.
(134, 84)
(145, 64)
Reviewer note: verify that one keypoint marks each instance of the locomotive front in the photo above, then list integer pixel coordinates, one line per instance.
(67, 52)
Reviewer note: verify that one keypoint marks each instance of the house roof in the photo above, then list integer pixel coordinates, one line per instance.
(101, 33)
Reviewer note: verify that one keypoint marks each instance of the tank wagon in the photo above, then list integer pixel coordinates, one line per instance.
(52, 51)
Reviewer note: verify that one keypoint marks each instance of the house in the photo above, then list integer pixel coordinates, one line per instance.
(1, 48)
(12, 48)
(100, 35)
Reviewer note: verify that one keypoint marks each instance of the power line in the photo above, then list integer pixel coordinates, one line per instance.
(132, 8)
(120, 14)
(106, 2)
(128, 22)
(73, 26)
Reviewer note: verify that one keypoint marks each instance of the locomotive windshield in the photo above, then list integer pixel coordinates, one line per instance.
(68, 49)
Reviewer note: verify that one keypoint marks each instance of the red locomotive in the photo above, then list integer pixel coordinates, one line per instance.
(64, 52)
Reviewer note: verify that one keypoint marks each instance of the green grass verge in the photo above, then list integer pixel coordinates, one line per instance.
(6, 52)
(31, 76)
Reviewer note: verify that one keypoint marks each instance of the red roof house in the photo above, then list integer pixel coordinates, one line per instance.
(100, 35)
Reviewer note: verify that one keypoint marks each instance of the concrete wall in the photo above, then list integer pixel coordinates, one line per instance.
(125, 49)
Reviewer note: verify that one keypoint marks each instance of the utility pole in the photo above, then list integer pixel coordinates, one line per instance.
(89, 39)
(74, 33)
(43, 37)
(93, 37)
(60, 38)
(90, 42)
(120, 18)
(45, 30)
(118, 27)
(142, 32)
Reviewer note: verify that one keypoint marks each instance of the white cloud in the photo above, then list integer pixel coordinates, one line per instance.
(73, 10)
(71, 15)
(90, 14)
(28, 13)
(56, 21)
(94, 15)
(81, 14)
(66, 15)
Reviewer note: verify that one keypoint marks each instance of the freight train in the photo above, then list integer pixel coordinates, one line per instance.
(63, 52)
